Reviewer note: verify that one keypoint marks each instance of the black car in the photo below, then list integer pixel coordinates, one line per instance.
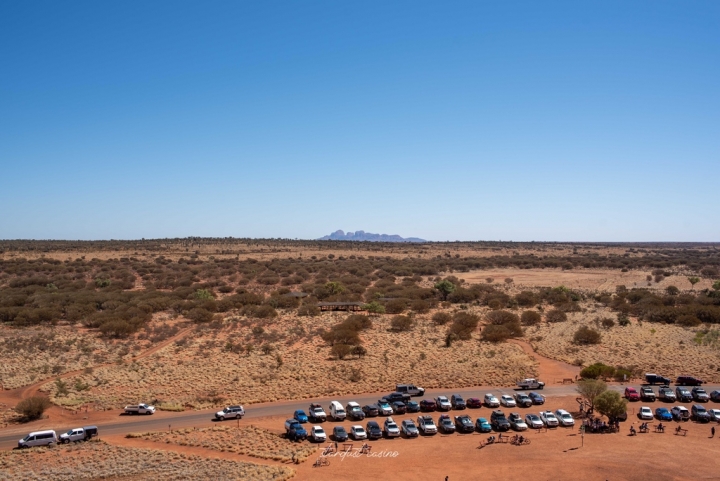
(457, 402)
(396, 396)
(657, 379)
(371, 410)
(688, 381)
(683, 395)
(398, 407)
(699, 414)
(536, 398)
(523, 400)
(647, 394)
(339, 434)
(464, 424)
(373, 430)
(498, 421)
(412, 407)
(715, 396)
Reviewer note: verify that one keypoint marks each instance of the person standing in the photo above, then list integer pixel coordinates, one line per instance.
(712, 432)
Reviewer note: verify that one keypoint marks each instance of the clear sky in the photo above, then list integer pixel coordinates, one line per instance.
(578, 120)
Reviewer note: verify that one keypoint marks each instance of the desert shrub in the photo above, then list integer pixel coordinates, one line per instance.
(200, 315)
(308, 310)
(464, 324)
(420, 306)
(607, 323)
(118, 328)
(623, 320)
(441, 318)
(445, 288)
(203, 294)
(341, 351)
(401, 323)
(556, 315)
(586, 335)
(283, 302)
(688, 320)
(496, 333)
(374, 307)
(501, 317)
(526, 299)
(395, 306)
(357, 322)
(597, 370)
(263, 312)
(32, 408)
(530, 318)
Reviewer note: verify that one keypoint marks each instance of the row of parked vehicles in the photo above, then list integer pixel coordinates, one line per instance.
(50, 437)
(665, 393)
(426, 425)
(697, 413)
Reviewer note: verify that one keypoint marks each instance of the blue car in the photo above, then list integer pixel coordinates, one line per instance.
(300, 416)
(663, 414)
(482, 425)
(537, 398)
(412, 407)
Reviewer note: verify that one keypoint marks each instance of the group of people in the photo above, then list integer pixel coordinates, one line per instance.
(595, 425)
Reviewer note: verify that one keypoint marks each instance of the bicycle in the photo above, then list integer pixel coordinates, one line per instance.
(321, 461)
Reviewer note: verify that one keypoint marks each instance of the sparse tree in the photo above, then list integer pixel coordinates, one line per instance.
(341, 351)
(590, 389)
(693, 280)
(610, 404)
(716, 285)
(445, 288)
(32, 408)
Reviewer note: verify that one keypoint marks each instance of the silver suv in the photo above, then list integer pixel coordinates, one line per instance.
(410, 389)
(230, 412)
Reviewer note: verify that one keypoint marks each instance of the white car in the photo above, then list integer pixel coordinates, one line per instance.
(507, 401)
(491, 401)
(391, 429)
(645, 414)
(714, 415)
(564, 417)
(549, 419)
(357, 432)
(317, 434)
(443, 403)
(533, 421)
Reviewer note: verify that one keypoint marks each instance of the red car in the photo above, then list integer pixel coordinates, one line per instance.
(428, 405)
(631, 394)
(473, 402)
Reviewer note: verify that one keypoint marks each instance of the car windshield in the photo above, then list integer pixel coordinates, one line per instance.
(392, 426)
(442, 399)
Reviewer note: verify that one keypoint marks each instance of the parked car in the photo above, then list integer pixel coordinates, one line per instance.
(398, 407)
(531, 384)
(139, 409)
(631, 394)
(316, 413)
(79, 434)
(688, 381)
(457, 402)
(533, 421)
(564, 418)
(339, 434)
(516, 422)
(655, 379)
(482, 425)
(700, 395)
(230, 412)
(666, 394)
(464, 424)
(38, 438)
(300, 416)
(294, 431)
(445, 424)
(371, 410)
(337, 411)
(645, 413)
(647, 394)
(412, 407)
(715, 396)
(699, 414)
(680, 413)
(427, 405)
(537, 399)
(443, 403)
(357, 432)
(354, 411)
(408, 428)
(523, 400)
(384, 408)
(549, 419)
(498, 421)
(426, 425)
(491, 401)
(373, 430)
(473, 402)
(410, 389)
(714, 415)
(391, 428)
(663, 414)
(683, 395)
(396, 396)
(507, 401)
(317, 434)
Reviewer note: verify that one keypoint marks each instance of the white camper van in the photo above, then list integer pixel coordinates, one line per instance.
(39, 438)
(337, 412)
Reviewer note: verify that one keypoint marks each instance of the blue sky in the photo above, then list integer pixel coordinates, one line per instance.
(583, 121)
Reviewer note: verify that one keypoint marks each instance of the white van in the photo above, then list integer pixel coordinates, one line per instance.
(337, 412)
(40, 438)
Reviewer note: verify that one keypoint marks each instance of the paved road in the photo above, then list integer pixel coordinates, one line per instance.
(161, 420)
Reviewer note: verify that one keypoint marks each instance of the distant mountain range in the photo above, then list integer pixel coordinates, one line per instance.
(367, 236)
